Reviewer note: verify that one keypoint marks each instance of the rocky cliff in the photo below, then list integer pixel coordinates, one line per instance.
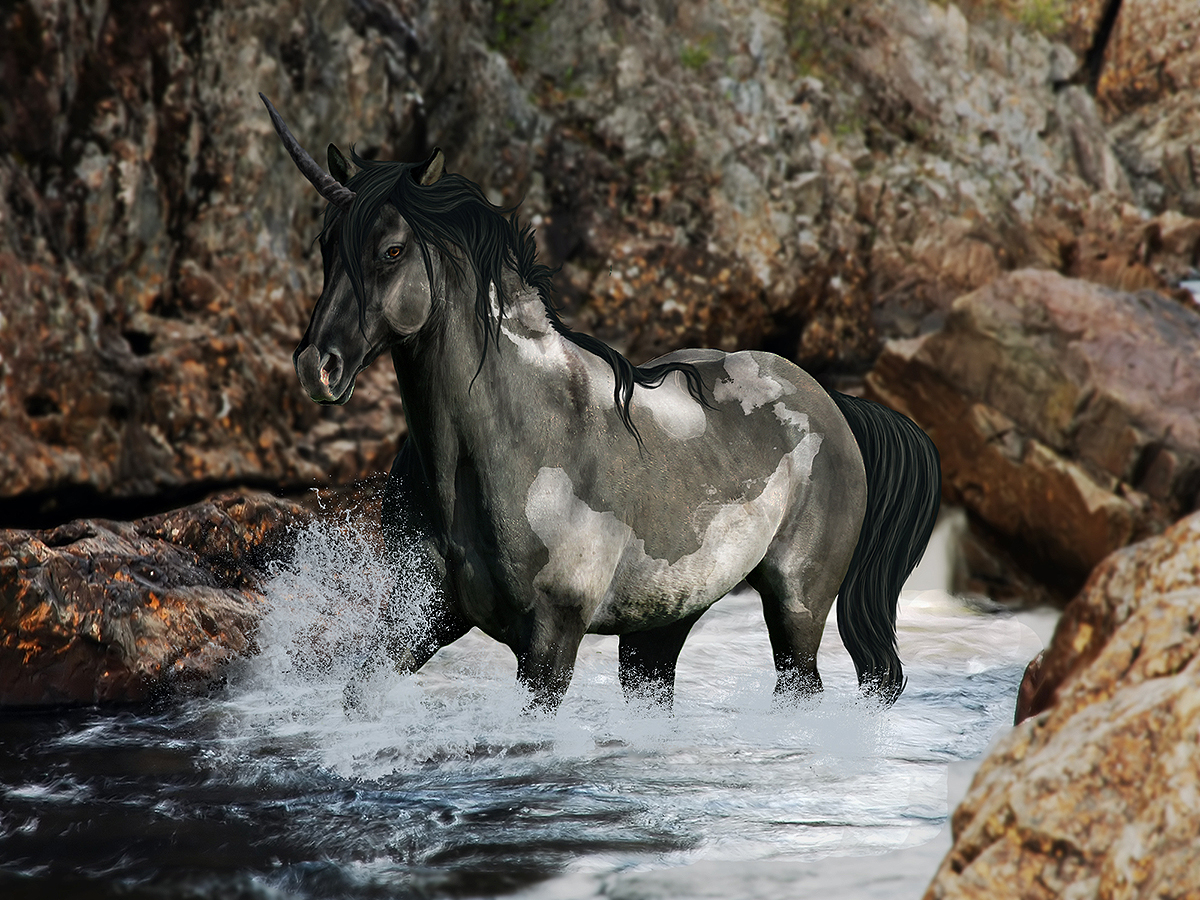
(810, 179)
(785, 175)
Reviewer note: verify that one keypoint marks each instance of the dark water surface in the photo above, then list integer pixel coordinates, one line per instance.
(443, 787)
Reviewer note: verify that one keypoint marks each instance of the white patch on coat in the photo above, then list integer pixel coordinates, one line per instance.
(540, 346)
(585, 546)
(747, 384)
(787, 416)
(599, 562)
(674, 409)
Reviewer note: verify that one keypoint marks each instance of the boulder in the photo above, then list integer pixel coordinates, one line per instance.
(1124, 582)
(1064, 413)
(1096, 796)
(106, 612)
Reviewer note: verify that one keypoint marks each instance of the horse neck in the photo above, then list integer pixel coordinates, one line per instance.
(450, 400)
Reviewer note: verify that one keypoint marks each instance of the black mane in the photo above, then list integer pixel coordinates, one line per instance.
(454, 212)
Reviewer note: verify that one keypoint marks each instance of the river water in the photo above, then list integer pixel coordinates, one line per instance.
(441, 786)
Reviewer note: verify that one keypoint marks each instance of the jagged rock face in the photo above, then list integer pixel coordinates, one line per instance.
(1096, 796)
(155, 252)
(697, 185)
(1152, 52)
(109, 612)
(932, 155)
(1064, 414)
(719, 174)
(1147, 91)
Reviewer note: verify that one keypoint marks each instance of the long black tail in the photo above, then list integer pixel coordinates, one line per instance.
(904, 488)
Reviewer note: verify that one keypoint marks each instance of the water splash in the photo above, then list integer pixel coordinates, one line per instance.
(441, 785)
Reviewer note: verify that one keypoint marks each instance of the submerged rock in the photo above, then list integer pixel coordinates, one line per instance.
(101, 612)
(1096, 796)
(1064, 413)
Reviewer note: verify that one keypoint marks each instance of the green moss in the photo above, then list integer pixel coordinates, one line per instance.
(811, 29)
(1046, 17)
(694, 56)
(512, 19)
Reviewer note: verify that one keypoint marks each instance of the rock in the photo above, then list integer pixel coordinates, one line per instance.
(107, 612)
(1147, 95)
(934, 157)
(1064, 414)
(1157, 145)
(1152, 53)
(1118, 587)
(1097, 795)
(154, 251)
(717, 174)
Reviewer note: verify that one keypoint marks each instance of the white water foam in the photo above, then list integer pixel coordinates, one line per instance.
(727, 777)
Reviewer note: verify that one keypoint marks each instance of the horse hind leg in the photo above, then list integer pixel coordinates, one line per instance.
(647, 659)
(795, 614)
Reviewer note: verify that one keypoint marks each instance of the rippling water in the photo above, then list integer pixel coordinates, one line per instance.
(442, 787)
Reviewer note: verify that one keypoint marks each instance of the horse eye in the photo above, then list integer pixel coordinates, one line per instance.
(394, 251)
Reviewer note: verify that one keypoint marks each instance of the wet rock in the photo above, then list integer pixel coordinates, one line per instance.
(101, 612)
(1096, 796)
(1064, 414)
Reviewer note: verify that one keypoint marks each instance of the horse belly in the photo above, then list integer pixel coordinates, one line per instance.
(648, 592)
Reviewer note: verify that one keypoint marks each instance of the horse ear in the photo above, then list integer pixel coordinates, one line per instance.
(431, 170)
(338, 167)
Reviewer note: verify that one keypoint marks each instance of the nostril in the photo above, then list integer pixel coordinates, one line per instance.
(331, 369)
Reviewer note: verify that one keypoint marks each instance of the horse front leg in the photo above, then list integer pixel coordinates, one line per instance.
(546, 652)
(408, 641)
(647, 659)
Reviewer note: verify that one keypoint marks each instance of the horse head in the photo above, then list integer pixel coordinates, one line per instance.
(377, 277)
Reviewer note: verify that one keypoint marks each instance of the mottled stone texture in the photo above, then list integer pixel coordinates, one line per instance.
(1064, 413)
(725, 173)
(1147, 94)
(1166, 565)
(155, 261)
(1097, 795)
(103, 612)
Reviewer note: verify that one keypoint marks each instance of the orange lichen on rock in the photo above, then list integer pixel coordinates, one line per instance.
(96, 612)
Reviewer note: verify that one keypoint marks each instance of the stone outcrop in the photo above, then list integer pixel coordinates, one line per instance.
(926, 155)
(723, 174)
(1147, 92)
(1124, 582)
(1096, 796)
(1064, 413)
(1152, 52)
(104, 612)
(155, 260)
